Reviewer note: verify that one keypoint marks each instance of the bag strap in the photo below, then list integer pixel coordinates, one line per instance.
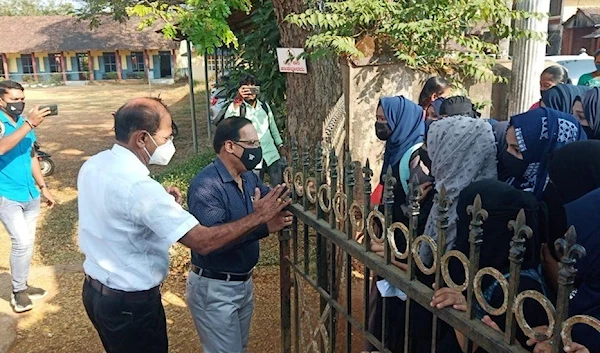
(405, 166)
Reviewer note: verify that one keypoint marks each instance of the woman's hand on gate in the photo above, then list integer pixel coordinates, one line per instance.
(425, 189)
(445, 297)
(379, 249)
(576, 348)
(491, 323)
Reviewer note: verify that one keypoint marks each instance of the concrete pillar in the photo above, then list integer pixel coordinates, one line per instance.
(5, 66)
(118, 58)
(528, 58)
(504, 44)
(90, 66)
(63, 66)
(34, 66)
(174, 62)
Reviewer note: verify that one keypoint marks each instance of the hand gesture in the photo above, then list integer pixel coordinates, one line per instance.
(36, 116)
(378, 248)
(448, 297)
(271, 204)
(425, 189)
(282, 220)
(244, 92)
(50, 202)
(176, 193)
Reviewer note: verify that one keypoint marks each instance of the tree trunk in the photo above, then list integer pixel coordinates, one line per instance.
(310, 97)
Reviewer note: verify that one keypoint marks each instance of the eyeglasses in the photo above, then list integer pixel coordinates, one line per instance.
(253, 143)
(170, 138)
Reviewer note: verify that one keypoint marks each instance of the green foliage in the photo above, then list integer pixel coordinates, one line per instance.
(180, 175)
(204, 22)
(35, 7)
(257, 55)
(426, 35)
(112, 75)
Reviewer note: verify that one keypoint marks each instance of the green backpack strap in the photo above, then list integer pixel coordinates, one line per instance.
(405, 166)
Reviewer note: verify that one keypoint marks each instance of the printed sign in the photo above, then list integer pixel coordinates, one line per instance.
(289, 60)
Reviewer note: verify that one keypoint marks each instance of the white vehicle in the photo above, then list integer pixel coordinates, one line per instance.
(576, 65)
(218, 98)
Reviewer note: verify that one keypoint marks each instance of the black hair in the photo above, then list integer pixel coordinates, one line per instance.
(597, 53)
(135, 117)
(8, 84)
(248, 80)
(558, 73)
(458, 105)
(228, 130)
(433, 85)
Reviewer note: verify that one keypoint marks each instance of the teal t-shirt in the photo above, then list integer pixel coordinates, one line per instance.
(589, 80)
(16, 177)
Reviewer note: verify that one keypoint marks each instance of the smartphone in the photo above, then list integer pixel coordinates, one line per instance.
(53, 108)
(254, 90)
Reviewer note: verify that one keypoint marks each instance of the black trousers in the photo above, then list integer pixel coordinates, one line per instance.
(125, 325)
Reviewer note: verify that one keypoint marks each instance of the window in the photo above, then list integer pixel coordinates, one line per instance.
(55, 62)
(223, 60)
(27, 63)
(137, 62)
(110, 62)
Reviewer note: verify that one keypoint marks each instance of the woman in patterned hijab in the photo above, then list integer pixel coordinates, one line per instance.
(462, 150)
(530, 138)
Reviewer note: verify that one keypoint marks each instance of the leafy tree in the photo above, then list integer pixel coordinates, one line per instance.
(426, 35)
(203, 22)
(34, 7)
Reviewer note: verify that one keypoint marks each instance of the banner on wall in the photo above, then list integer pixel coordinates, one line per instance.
(290, 61)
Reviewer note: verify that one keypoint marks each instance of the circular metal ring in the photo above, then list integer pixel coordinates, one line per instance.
(370, 224)
(567, 326)
(392, 240)
(446, 273)
(299, 184)
(479, 295)
(287, 176)
(415, 253)
(520, 317)
(357, 223)
(311, 192)
(324, 191)
(340, 205)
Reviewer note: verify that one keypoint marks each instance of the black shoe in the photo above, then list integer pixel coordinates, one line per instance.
(21, 302)
(35, 293)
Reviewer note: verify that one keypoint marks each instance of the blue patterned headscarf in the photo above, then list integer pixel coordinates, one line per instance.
(539, 132)
(562, 97)
(405, 118)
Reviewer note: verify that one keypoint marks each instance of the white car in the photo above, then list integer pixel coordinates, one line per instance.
(576, 65)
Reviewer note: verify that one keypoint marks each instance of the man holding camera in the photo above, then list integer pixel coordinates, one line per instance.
(20, 173)
(247, 105)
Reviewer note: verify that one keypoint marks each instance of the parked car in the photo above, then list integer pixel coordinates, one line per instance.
(576, 65)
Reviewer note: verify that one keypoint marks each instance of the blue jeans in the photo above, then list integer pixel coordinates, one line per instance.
(19, 219)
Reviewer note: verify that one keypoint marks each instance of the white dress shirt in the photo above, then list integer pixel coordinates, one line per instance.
(127, 222)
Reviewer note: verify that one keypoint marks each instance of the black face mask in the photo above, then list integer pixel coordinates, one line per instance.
(15, 109)
(512, 166)
(251, 157)
(589, 132)
(382, 130)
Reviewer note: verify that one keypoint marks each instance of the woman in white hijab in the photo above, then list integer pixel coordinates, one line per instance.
(462, 150)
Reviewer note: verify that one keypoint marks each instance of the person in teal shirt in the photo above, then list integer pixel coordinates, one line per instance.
(20, 178)
(247, 105)
(592, 79)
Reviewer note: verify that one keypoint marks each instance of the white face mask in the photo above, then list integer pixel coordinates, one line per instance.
(162, 154)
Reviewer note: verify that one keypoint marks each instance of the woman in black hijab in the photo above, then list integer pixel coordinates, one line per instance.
(587, 110)
(503, 203)
(562, 97)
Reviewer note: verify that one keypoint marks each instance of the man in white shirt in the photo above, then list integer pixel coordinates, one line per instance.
(128, 221)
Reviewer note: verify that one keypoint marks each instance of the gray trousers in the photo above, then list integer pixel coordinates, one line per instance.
(19, 219)
(274, 171)
(222, 312)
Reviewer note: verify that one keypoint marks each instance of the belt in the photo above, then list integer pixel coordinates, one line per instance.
(128, 296)
(223, 276)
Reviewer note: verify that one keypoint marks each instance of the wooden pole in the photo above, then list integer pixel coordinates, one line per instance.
(90, 66)
(528, 58)
(63, 65)
(147, 64)
(174, 59)
(5, 66)
(118, 57)
(34, 67)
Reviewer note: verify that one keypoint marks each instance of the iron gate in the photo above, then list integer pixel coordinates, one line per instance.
(320, 252)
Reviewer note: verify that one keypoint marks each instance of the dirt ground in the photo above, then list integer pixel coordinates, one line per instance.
(58, 323)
